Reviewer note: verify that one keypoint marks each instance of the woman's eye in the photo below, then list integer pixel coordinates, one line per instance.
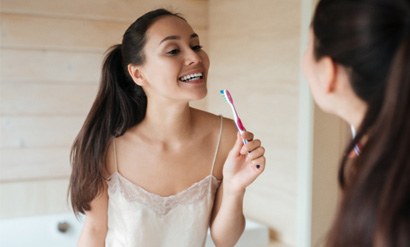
(173, 52)
(196, 47)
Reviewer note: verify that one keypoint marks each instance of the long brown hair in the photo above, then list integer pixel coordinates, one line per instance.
(371, 39)
(120, 104)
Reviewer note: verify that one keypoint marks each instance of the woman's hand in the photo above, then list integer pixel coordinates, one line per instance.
(244, 163)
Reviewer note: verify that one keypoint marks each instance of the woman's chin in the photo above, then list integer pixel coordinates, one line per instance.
(200, 95)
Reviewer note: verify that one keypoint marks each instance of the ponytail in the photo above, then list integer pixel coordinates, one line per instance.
(119, 105)
(387, 162)
(374, 210)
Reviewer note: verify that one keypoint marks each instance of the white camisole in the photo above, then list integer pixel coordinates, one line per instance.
(139, 218)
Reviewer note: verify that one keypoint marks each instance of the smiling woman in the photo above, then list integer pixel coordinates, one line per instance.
(62, 43)
(145, 162)
(173, 46)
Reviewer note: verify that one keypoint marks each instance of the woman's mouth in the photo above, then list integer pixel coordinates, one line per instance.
(191, 77)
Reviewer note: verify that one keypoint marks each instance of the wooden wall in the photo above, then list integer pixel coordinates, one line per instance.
(50, 57)
(51, 52)
(255, 52)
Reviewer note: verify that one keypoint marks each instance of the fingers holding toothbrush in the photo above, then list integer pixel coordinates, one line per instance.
(252, 148)
(254, 151)
(244, 163)
(246, 160)
(246, 136)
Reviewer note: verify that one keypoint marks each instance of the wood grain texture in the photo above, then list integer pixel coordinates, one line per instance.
(112, 10)
(51, 33)
(35, 99)
(255, 53)
(37, 197)
(47, 65)
(50, 60)
(34, 163)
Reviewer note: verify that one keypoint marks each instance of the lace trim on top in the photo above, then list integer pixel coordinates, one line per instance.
(161, 204)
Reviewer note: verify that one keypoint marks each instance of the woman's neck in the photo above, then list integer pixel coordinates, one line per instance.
(352, 110)
(169, 123)
(356, 116)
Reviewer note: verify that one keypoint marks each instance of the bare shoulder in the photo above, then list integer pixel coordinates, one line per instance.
(227, 141)
(228, 135)
(110, 159)
(214, 121)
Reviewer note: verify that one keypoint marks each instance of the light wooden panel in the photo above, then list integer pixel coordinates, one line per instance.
(114, 10)
(95, 22)
(27, 198)
(33, 99)
(50, 61)
(330, 138)
(34, 163)
(39, 131)
(42, 32)
(49, 66)
(255, 54)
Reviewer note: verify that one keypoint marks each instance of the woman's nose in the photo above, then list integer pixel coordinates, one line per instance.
(192, 57)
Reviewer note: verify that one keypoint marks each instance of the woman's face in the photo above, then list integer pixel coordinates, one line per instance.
(175, 65)
(330, 86)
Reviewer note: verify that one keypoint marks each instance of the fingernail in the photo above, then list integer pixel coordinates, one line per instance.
(258, 166)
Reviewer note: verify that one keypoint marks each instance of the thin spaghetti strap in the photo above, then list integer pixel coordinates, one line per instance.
(115, 156)
(217, 144)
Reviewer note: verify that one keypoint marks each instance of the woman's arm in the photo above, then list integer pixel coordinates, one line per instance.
(95, 225)
(228, 220)
(244, 163)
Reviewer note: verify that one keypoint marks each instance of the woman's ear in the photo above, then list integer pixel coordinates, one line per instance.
(136, 75)
(327, 74)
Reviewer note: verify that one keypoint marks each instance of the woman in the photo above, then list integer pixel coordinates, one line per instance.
(146, 166)
(357, 65)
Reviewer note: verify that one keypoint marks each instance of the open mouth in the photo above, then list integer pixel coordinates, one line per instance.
(191, 77)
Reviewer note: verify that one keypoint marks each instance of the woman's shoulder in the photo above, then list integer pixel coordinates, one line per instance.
(213, 122)
(211, 119)
(111, 157)
(226, 133)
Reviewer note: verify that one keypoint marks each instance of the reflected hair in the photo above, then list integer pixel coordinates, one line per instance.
(371, 39)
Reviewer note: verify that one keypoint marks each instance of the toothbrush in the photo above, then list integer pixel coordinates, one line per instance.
(238, 122)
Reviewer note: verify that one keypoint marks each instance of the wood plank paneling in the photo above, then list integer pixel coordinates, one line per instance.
(43, 32)
(38, 131)
(45, 65)
(255, 53)
(196, 11)
(50, 62)
(33, 163)
(330, 138)
(59, 99)
(27, 198)
(39, 32)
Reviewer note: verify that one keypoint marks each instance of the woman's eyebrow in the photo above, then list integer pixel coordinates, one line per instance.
(176, 37)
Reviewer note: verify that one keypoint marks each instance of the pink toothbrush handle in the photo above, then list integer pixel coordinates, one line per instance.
(240, 125)
(241, 129)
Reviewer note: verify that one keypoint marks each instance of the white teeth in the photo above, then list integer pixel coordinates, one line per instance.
(191, 77)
